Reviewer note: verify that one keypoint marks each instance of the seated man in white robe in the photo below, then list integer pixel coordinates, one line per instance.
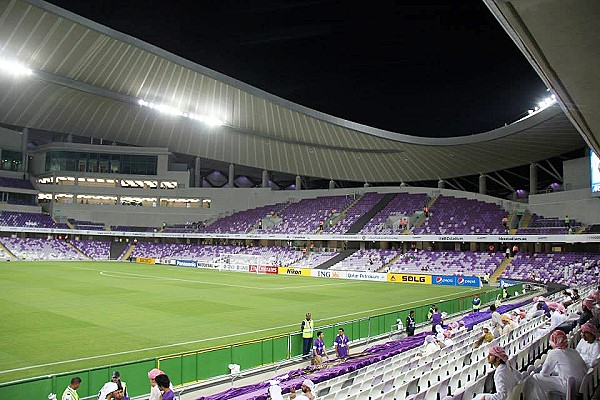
(589, 346)
(505, 376)
(561, 364)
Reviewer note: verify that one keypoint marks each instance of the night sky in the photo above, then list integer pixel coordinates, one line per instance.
(433, 68)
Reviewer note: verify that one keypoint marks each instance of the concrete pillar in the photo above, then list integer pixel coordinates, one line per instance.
(482, 184)
(70, 138)
(24, 157)
(197, 176)
(231, 175)
(402, 184)
(331, 184)
(532, 178)
(265, 178)
(440, 184)
(298, 182)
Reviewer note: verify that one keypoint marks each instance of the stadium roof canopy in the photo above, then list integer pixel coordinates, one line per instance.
(88, 80)
(560, 39)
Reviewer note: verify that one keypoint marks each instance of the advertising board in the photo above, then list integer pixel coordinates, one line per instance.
(293, 271)
(417, 279)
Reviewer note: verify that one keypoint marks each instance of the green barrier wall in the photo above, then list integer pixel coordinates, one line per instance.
(204, 364)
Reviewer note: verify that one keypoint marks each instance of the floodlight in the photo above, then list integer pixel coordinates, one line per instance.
(14, 68)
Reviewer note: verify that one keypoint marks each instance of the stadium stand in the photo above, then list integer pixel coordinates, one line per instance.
(402, 203)
(548, 226)
(30, 220)
(16, 183)
(360, 208)
(398, 370)
(450, 215)
(94, 249)
(41, 249)
(447, 262)
(366, 260)
(565, 268)
(243, 221)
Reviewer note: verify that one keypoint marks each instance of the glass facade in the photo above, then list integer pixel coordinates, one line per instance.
(11, 160)
(101, 163)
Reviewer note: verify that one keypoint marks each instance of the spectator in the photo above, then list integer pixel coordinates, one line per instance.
(505, 377)
(561, 364)
(342, 349)
(319, 349)
(275, 391)
(497, 324)
(431, 346)
(589, 346)
(410, 323)
(154, 390)
(116, 378)
(110, 391)
(586, 308)
(436, 319)
(307, 387)
(487, 337)
(164, 385)
(70, 392)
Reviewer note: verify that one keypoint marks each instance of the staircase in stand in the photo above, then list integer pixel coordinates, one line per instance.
(341, 256)
(385, 267)
(524, 222)
(7, 251)
(422, 220)
(500, 269)
(69, 224)
(71, 245)
(362, 221)
(118, 248)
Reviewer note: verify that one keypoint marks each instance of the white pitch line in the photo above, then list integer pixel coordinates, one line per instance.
(119, 274)
(219, 337)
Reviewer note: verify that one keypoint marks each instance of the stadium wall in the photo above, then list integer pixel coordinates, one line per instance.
(576, 174)
(577, 204)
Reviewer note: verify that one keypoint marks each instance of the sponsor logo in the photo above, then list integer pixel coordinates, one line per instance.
(467, 281)
(451, 238)
(324, 274)
(512, 238)
(408, 278)
(186, 263)
(144, 260)
(443, 280)
(292, 271)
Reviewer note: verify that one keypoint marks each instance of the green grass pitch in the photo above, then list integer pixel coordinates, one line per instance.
(65, 316)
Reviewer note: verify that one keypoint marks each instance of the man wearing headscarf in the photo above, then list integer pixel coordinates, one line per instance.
(431, 346)
(155, 392)
(487, 337)
(275, 391)
(497, 323)
(505, 377)
(110, 391)
(561, 364)
(589, 346)
(307, 387)
(586, 308)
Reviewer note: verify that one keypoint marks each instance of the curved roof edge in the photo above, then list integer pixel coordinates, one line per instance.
(493, 134)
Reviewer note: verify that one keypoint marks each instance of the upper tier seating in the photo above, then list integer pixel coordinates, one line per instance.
(362, 206)
(29, 220)
(242, 221)
(450, 215)
(16, 183)
(548, 226)
(402, 203)
(306, 215)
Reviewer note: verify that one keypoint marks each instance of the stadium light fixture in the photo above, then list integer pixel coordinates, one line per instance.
(14, 68)
(165, 109)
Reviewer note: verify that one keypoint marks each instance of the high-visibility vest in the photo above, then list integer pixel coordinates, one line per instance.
(70, 394)
(476, 304)
(309, 326)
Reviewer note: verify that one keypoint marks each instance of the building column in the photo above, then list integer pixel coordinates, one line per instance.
(482, 184)
(298, 182)
(441, 184)
(24, 156)
(265, 178)
(197, 176)
(231, 175)
(331, 184)
(532, 178)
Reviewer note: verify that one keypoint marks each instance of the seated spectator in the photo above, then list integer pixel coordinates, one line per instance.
(589, 346)
(508, 324)
(164, 385)
(505, 377)
(110, 391)
(586, 310)
(431, 346)
(461, 326)
(307, 387)
(561, 364)
(487, 337)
